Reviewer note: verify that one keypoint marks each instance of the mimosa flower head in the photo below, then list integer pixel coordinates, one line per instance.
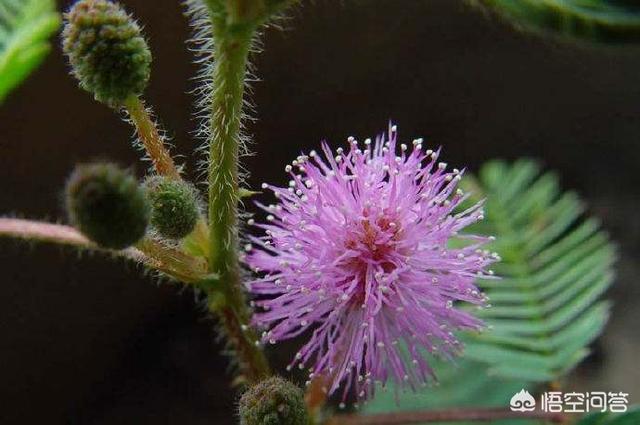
(358, 251)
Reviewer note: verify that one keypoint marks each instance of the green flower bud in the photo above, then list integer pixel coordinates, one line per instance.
(274, 401)
(106, 204)
(107, 51)
(174, 206)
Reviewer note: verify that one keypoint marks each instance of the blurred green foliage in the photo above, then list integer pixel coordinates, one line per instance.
(25, 26)
(610, 21)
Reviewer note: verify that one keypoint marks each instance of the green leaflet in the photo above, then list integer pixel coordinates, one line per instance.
(556, 266)
(25, 26)
(546, 306)
(615, 21)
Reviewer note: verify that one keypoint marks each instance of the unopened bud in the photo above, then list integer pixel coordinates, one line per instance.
(274, 401)
(106, 50)
(174, 206)
(106, 204)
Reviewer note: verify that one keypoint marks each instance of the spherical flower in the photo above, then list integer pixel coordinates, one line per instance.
(363, 248)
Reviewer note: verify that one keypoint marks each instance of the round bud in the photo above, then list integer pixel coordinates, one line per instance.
(274, 401)
(106, 50)
(174, 206)
(106, 204)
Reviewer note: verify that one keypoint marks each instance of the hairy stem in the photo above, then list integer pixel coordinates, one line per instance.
(175, 262)
(151, 253)
(38, 231)
(452, 415)
(315, 396)
(160, 157)
(151, 139)
(232, 44)
(42, 232)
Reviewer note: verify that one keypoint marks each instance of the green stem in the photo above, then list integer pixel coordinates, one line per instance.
(151, 139)
(160, 157)
(231, 53)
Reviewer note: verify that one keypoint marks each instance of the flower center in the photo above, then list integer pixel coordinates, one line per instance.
(374, 238)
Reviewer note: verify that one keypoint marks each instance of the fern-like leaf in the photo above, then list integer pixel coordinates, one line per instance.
(593, 20)
(555, 267)
(25, 26)
(556, 263)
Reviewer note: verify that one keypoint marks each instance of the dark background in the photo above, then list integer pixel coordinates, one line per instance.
(88, 341)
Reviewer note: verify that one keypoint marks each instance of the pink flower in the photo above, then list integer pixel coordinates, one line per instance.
(357, 250)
